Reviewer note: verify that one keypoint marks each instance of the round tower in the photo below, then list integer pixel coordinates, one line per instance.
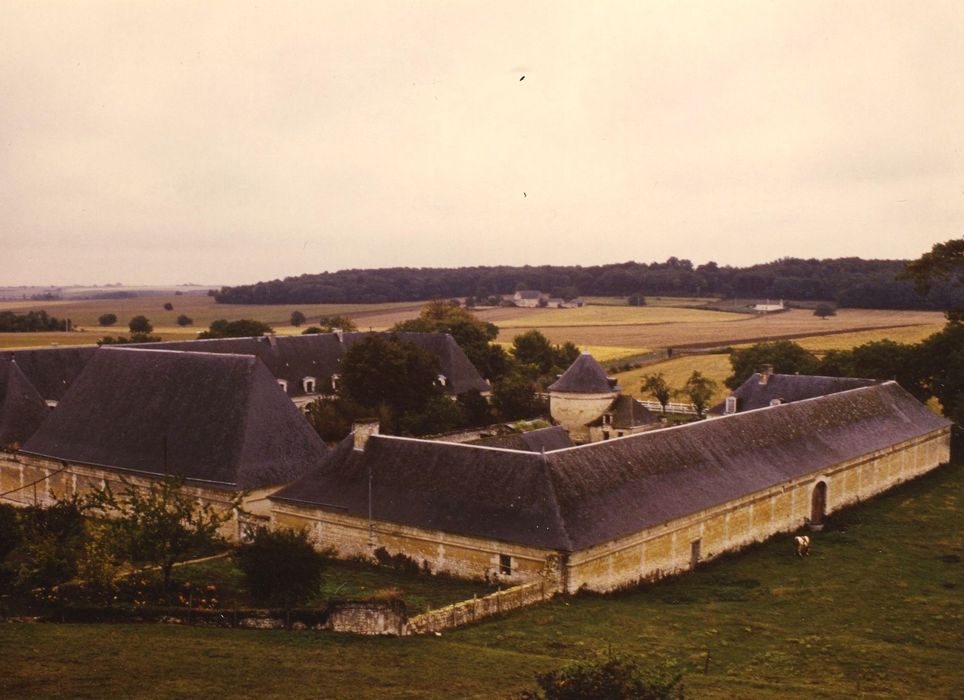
(580, 396)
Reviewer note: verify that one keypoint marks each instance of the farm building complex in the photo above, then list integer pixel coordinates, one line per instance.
(602, 515)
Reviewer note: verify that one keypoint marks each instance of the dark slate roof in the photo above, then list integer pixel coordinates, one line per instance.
(51, 370)
(288, 357)
(544, 439)
(294, 357)
(219, 419)
(571, 499)
(627, 413)
(477, 491)
(22, 408)
(584, 376)
(752, 395)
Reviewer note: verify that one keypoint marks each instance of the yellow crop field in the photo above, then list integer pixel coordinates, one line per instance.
(602, 353)
(845, 341)
(677, 371)
(615, 316)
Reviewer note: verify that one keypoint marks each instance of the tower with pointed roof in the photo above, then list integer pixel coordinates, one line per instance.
(582, 394)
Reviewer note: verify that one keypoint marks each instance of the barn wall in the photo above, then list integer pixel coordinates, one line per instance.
(47, 479)
(668, 548)
(475, 558)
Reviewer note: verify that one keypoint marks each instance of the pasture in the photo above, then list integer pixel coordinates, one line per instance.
(874, 611)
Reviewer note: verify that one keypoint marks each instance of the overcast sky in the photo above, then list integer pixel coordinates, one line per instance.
(230, 142)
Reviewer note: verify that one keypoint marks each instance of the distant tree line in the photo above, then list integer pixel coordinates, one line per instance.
(31, 321)
(847, 282)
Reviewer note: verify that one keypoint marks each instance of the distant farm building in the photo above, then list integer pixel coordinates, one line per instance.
(527, 298)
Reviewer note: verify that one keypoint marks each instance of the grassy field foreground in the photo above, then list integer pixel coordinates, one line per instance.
(876, 611)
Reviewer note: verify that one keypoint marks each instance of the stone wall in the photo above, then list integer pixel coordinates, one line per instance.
(367, 617)
(27, 480)
(681, 544)
(439, 552)
(574, 411)
(469, 611)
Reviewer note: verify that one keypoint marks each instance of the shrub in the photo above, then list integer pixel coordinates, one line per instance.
(107, 319)
(168, 306)
(281, 567)
(612, 678)
(184, 320)
(297, 318)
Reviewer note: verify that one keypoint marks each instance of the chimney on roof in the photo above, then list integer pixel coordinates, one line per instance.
(362, 429)
(765, 372)
(270, 339)
(340, 333)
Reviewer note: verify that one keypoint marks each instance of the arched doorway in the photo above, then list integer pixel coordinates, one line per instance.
(818, 505)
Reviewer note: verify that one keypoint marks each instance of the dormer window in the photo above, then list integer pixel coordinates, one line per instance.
(776, 402)
(441, 380)
(730, 404)
(334, 381)
(607, 419)
(308, 384)
(284, 385)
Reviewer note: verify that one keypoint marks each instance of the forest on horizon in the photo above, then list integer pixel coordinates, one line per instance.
(846, 282)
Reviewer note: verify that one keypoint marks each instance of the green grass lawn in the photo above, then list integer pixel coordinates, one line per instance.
(342, 579)
(876, 611)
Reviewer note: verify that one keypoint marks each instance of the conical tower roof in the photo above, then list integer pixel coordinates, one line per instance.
(584, 376)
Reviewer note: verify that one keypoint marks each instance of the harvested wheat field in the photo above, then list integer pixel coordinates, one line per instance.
(796, 323)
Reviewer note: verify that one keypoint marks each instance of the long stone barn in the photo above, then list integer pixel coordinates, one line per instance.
(607, 515)
(136, 415)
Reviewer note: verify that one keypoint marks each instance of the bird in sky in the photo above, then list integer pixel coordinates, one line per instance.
(522, 78)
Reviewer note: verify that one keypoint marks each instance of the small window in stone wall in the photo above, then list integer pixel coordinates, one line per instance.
(308, 383)
(505, 564)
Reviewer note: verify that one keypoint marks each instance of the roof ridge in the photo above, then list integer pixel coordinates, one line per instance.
(548, 473)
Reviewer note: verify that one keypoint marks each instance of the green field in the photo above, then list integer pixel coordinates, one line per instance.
(875, 612)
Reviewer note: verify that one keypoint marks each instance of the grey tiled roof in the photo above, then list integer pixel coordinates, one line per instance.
(209, 417)
(751, 394)
(584, 376)
(22, 408)
(571, 499)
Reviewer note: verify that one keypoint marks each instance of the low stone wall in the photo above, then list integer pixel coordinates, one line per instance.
(478, 608)
(367, 617)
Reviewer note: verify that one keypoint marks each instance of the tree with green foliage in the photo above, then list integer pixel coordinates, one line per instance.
(471, 334)
(140, 324)
(945, 261)
(242, 328)
(49, 544)
(168, 306)
(161, 524)
(514, 396)
(879, 359)
(327, 324)
(476, 411)
(611, 678)
(389, 370)
(541, 359)
(297, 318)
(281, 567)
(132, 338)
(823, 310)
(185, 320)
(11, 322)
(699, 390)
(332, 418)
(107, 319)
(786, 357)
(656, 386)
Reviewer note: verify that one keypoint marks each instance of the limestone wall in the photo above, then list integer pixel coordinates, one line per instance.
(367, 617)
(678, 545)
(574, 411)
(27, 480)
(478, 608)
(440, 552)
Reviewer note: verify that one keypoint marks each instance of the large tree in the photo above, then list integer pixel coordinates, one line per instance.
(471, 334)
(160, 524)
(389, 370)
(657, 386)
(786, 357)
(699, 389)
(242, 328)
